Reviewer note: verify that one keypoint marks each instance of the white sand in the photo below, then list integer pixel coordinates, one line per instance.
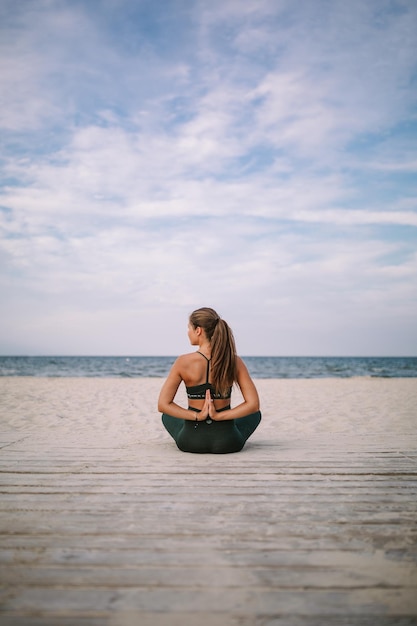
(124, 411)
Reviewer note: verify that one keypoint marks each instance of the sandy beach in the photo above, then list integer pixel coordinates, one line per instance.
(104, 521)
(125, 410)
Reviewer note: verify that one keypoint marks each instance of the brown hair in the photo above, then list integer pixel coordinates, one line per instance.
(223, 349)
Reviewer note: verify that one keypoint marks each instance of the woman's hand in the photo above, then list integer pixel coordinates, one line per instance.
(209, 410)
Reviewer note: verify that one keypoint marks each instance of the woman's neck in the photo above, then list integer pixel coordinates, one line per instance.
(205, 348)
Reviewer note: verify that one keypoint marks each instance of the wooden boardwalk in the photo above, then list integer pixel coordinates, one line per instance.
(286, 533)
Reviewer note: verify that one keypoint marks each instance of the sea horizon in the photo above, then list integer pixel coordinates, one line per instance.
(133, 366)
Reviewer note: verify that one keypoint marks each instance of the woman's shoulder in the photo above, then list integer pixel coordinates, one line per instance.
(185, 360)
(189, 356)
(241, 367)
(186, 366)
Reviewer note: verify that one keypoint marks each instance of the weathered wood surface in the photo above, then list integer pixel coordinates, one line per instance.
(286, 533)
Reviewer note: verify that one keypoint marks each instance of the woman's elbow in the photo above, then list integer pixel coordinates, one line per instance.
(255, 407)
(254, 404)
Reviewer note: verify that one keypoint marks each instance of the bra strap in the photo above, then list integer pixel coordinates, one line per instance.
(208, 365)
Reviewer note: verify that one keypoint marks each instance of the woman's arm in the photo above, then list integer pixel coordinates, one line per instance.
(166, 402)
(250, 402)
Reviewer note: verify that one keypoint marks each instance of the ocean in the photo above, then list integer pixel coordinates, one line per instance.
(158, 366)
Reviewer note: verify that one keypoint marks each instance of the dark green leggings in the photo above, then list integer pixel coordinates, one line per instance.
(214, 438)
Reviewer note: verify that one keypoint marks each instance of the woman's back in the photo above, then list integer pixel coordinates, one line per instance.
(198, 392)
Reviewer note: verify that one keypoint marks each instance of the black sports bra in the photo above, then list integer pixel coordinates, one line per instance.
(198, 392)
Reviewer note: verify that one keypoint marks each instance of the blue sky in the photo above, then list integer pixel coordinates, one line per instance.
(256, 156)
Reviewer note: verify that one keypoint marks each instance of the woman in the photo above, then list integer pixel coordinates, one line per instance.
(209, 424)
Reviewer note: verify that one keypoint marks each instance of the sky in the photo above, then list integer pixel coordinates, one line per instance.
(255, 156)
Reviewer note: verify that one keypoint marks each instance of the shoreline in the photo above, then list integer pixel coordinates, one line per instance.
(254, 378)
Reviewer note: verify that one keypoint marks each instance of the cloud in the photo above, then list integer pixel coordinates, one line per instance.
(262, 159)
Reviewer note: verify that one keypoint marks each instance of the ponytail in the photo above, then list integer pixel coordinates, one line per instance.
(223, 358)
(223, 349)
